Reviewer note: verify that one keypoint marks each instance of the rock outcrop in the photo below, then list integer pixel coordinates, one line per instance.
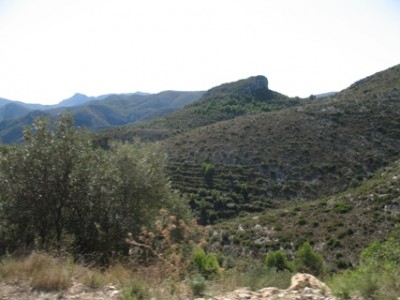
(303, 286)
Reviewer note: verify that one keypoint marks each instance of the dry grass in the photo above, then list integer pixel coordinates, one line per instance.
(42, 270)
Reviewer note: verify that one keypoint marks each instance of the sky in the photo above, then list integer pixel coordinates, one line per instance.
(51, 49)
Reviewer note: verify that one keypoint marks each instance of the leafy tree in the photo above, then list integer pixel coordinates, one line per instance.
(39, 182)
(278, 260)
(208, 171)
(57, 187)
(309, 261)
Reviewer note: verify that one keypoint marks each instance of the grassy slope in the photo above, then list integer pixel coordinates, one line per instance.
(303, 152)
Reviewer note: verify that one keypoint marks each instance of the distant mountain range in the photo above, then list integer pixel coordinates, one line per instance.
(93, 113)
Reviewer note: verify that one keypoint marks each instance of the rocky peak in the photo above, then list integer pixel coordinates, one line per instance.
(255, 87)
(258, 87)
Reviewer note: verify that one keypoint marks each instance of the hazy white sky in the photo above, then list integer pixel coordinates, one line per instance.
(50, 49)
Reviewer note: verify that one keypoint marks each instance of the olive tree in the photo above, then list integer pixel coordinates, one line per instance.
(57, 186)
(39, 182)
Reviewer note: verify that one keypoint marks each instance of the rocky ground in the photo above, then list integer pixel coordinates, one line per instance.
(303, 287)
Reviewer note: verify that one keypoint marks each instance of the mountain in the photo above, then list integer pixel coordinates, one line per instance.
(94, 113)
(11, 130)
(224, 102)
(12, 110)
(302, 152)
(4, 101)
(79, 99)
(76, 99)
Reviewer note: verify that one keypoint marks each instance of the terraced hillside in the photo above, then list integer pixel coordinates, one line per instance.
(303, 152)
(339, 226)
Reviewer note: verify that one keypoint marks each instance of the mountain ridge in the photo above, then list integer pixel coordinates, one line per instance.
(97, 113)
(223, 102)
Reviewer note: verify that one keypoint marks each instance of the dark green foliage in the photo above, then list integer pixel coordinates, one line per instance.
(208, 171)
(42, 181)
(277, 260)
(342, 207)
(307, 260)
(57, 190)
(377, 275)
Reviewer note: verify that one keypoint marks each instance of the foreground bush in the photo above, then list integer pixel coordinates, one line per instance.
(167, 245)
(58, 191)
(377, 276)
(206, 263)
(307, 260)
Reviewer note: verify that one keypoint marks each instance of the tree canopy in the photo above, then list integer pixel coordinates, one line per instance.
(57, 190)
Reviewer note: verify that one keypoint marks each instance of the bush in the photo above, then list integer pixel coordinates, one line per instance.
(277, 260)
(309, 261)
(377, 275)
(342, 207)
(198, 284)
(57, 191)
(136, 290)
(206, 263)
(208, 171)
(168, 244)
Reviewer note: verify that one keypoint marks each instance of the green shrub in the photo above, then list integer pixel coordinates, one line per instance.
(206, 263)
(377, 275)
(342, 207)
(208, 171)
(307, 260)
(277, 260)
(136, 290)
(198, 284)
(343, 284)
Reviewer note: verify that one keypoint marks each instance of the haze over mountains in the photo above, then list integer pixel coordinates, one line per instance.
(93, 113)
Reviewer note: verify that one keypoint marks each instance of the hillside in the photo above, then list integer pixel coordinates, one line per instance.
(303, 152)
(224, 102)
(339, 226)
